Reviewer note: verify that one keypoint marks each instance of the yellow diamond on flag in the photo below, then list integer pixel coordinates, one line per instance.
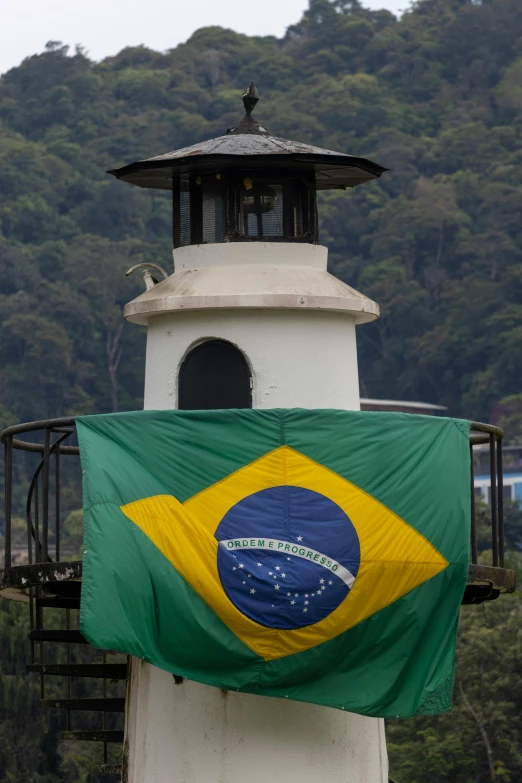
(287, 553)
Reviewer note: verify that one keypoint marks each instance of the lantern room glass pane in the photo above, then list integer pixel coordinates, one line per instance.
(300, 226)
(184, 211)
(260, 209)
(213, 212)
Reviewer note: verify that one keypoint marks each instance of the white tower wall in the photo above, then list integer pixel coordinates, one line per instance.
(298, 359)
(298, 334)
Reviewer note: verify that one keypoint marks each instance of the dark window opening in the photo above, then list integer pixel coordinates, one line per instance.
(214, 375)
(243, 207)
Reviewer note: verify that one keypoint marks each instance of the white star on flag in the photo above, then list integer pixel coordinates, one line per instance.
(278, 568)
(241, 565)
(306, 595)
(289, 594)
(283, 575)
(244, 583)
(321, 581)
(305, 609)
(234, 569)
(276, 587)
(260, 564)
(292, 602)
(270, 573)
(299, 538)
(252, 591)
(306, 603)
(330, 582)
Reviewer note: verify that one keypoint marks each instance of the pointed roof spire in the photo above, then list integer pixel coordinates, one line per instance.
(250, 98)
(248, 124)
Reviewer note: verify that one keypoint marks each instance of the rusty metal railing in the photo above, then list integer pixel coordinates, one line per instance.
(487, 434)
(44, 562)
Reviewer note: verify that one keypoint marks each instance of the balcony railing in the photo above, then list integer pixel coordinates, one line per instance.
(43, 560)
(85, 686)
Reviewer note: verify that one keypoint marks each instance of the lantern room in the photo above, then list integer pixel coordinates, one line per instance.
(247, 185)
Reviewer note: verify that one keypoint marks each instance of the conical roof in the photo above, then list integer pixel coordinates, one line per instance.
(250, 145)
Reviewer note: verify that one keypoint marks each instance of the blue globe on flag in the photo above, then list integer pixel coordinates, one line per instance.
(287, 556)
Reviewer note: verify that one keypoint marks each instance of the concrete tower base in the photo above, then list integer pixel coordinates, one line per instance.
(192, 733)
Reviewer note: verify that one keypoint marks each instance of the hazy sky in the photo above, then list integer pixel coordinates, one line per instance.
(104, 27)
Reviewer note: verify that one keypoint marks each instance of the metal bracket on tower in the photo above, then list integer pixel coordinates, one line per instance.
(150, 281)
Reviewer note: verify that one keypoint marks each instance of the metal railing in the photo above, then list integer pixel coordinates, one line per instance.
(43, 560)
(487, 434)
(43, 502)
(85, 685)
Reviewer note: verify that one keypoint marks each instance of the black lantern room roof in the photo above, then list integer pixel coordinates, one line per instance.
(250, 146)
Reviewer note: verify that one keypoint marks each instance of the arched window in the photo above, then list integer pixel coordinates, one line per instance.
(213, 375)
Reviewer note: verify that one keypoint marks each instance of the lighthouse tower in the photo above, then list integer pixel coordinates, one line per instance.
(249, 318)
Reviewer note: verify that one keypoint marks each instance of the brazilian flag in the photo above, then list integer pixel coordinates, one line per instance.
(315, 555)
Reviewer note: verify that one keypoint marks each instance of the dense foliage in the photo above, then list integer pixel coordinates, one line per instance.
(481, 740)
(437, 98)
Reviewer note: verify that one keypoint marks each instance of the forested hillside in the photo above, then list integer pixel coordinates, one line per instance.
(437, 98)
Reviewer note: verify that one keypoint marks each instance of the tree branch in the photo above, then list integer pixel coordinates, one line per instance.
(114, 352)
(483, 733)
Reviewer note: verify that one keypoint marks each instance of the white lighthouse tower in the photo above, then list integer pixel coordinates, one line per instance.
(249, 318)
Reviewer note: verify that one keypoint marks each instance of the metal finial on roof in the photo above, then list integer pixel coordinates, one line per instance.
(248, 124)
(250, 98)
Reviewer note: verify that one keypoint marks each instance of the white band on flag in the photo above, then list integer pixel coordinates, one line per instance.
(275, 545)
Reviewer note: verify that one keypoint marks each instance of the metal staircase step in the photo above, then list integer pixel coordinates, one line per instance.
(109, 671)
(94, 736)
(71, 637)
(110, 769)
(58, 602)
(96, 705)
